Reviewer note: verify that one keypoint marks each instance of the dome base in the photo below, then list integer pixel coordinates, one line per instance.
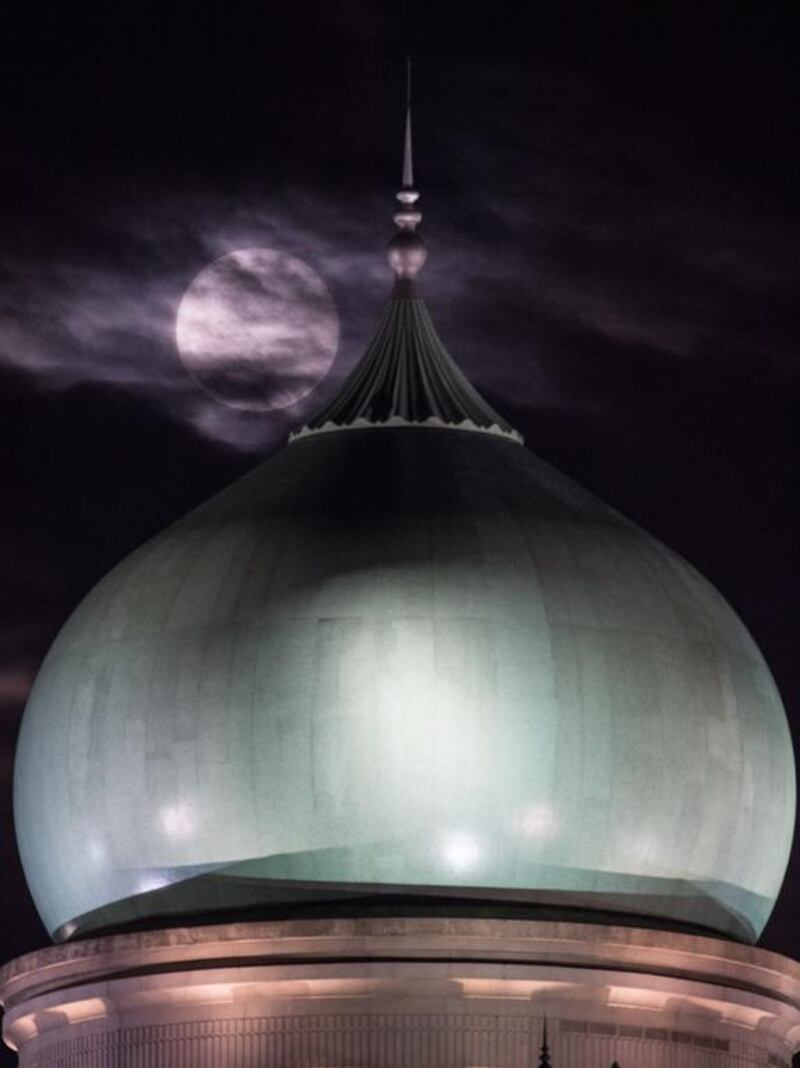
(222, 897)
(402, 991)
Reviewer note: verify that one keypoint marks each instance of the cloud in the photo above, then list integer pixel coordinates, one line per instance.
(620, 229)
(563, 228)
(89, 316)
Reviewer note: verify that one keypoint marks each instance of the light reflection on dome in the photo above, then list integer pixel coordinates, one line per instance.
(148, 882)
(179, 820)
(539, 821)
(460, 851)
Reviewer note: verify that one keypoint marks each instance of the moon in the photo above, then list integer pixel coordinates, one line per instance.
(257, 329)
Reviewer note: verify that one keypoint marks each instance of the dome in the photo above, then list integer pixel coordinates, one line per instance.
(413, 659)
(404, 656)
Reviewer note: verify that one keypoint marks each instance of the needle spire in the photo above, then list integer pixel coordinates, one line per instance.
(406, 251)
(408, 164)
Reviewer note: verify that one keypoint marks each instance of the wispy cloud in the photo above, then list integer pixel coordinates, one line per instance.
(565, 233)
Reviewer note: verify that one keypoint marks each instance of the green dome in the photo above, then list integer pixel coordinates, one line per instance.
(404, 660)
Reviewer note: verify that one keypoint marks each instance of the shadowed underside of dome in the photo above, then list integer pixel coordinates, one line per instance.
(291, 885)
(264, 888)
(408, 377)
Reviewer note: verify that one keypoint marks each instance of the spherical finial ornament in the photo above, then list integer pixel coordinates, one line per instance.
(406, 253)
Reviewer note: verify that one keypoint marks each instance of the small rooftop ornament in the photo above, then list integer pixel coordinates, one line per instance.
(544, 1055)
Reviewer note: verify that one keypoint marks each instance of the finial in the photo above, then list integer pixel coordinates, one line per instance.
(406, 250)
(408, 163)
(544, 1055)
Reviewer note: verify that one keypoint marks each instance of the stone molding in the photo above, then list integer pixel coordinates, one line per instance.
(415, 992)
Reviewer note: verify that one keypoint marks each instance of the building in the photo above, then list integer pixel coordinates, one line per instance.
(404, 750)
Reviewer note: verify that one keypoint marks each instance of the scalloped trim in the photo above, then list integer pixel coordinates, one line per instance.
(431, 423)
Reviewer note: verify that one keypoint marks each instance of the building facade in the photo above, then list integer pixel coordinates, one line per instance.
(425, 992)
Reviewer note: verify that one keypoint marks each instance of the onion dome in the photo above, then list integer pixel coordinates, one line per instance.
(409, 661)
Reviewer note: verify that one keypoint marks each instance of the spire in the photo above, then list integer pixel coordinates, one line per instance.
(406, 377)
(408, 162)
(544, 1055)
(406, 251)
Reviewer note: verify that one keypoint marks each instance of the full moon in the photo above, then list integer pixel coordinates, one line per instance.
(257, 329)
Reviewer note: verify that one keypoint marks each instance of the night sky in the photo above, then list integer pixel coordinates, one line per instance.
(608, 193)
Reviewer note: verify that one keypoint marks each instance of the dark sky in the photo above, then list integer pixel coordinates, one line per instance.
(608, 193)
